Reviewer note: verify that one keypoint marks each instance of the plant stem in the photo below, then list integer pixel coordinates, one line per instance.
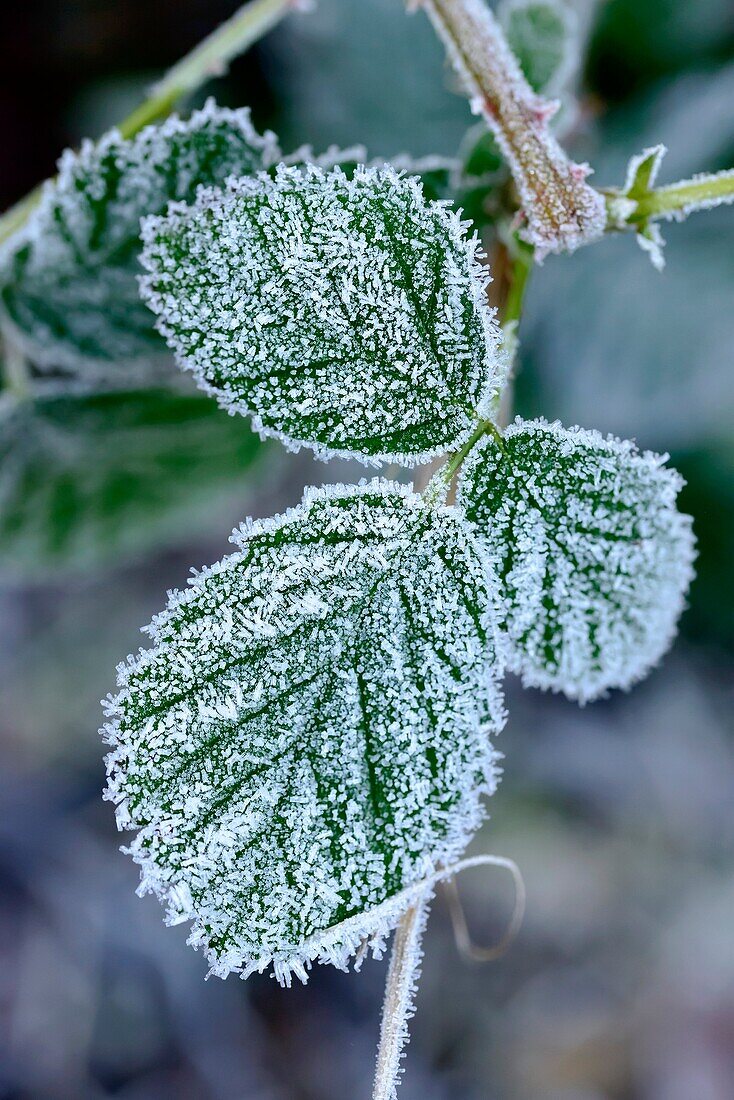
(687, 195)
(15, 369)
(521, 266)
(562, 210)
(400, 988)
(209, 59)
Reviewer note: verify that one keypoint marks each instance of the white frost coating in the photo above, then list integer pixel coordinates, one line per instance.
(562, 210)
(68, 285)
(308, 737)
(399, 1004)
(347, 315)
(594, 556)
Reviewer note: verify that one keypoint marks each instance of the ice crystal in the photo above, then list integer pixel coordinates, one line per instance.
(544, 37)
(309, 735)
(594, 557)
(68, 280)
(561, 209)
(345, 315)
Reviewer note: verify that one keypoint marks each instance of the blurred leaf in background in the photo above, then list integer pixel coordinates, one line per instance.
(86, 480)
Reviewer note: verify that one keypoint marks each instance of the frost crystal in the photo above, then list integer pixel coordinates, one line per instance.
(68, 280)
(345, 315)
(309, 735)
(562, 210)
(594, 556)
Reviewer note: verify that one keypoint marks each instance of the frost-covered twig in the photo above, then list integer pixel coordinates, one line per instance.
(209, 59)
(404, 970)
(561, 209)
(402, 979)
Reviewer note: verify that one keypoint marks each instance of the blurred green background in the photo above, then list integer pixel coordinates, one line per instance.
(621, 815)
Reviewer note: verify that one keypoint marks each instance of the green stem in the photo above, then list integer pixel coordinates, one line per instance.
(209, 59)
(686, 195)
(521, 268)
(522, 265)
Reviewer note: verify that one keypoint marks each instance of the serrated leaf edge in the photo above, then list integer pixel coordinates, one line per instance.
(337, 944)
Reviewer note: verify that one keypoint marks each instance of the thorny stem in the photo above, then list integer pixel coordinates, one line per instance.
(402, 976)
(209, 59)
(562, 210)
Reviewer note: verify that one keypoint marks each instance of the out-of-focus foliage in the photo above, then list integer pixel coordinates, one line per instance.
(87, 479)
(68, 279)
(543, 36)
(636, 43)
(356, 71)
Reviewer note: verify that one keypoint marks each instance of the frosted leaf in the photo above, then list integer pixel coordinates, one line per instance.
(68, 280)
(544, 37)
(309, 735)
(562, 211)
(89, 479)
(594, 556)
(345, 315)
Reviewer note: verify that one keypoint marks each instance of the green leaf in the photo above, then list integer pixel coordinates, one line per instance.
(544, 37)
(308, 737)
(68, 284)
(344, 315)
(594, 556)
(86, 479)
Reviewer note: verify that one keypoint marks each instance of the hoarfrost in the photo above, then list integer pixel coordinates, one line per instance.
(347, 315)
(596, 560)
(562, 210)
(308, 738)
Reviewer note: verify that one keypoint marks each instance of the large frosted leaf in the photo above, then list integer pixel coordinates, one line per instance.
(346, 315)
(69, 287)
(594, 556)
(309, 735)
(90, 479)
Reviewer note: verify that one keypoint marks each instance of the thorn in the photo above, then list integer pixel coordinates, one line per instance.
(581, 171)
(543, 110)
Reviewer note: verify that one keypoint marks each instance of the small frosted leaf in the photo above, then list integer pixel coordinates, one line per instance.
(309, 735)
(345, 315)
(641, 204)
(68, 283)
(594, 556)
(544, 37)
